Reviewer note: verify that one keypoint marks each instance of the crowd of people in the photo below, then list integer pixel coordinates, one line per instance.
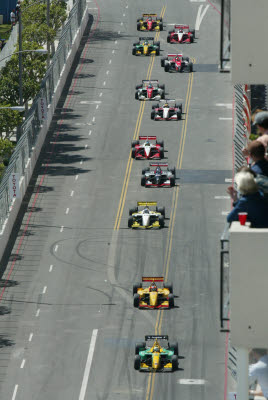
(251, 194)
(14, 15)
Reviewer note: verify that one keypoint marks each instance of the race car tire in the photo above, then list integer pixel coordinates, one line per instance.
(163, 61)
(134, 143)
(137, 96)
(136, 286)
(171, 31)
(174, 361)
(138, 26)
(163, 87)
(157, 51)
(137, 362)
(191, 67)
(130, 222)
(175, 347)
(191, 38)
(179, 114)
(166, 68)
(138, 87)
(169, 286)
(139, 347)
(157, 44)
(172, 180)
(161, 151)
(161, 210)
(161, 26)
(143, 180)
(134, 51)
(133, 152)
(163, 95)
(180, 106)
(193, 32)
(173, 171)
(136, 301)
(168, 39)
(160, 142)
(171, 301)
(138, 20)
(185, 58)
(160, 19)
(133, 210)
(152, 114)
(161, 221)
(145, 170)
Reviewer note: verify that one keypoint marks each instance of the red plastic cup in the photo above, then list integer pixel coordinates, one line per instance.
(242, 217)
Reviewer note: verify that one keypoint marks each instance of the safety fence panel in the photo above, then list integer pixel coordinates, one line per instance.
(32, 124)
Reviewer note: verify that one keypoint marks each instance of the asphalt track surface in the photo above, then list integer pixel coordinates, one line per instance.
(67, 325)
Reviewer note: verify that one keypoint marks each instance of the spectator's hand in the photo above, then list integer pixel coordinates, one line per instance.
(232, 192)
(245, 152)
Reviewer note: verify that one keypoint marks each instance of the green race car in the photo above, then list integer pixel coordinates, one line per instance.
(155, 357)
(146, 46)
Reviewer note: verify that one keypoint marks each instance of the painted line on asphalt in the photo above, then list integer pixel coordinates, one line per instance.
(15, 392)
(45, 289)
(124, 15)
(200, 16)
(93, 119)
(76, 177)
(113, 51)
(225, 213)
(88, 364)
(23, 363)
(37, 312)
(86, 146)
(72, 192)
(56, 248)
(115, 42)
(61, 228)
(51, 268)
(228, 180)
(221, 197)
(100, 94)
(225, 118)
(191, 381)
(227, 105)
(89, 133)
(104, 83)
(97, 106)
(119, 32)
(81, 162)
(67, 210)
(121, 23)
(107, 72)
(110, 61)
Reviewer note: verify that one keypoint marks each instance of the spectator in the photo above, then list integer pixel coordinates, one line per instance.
(12, 18)
(261, 120)
(17, 9)
(256, 151)
(251, 201)
(259, 371)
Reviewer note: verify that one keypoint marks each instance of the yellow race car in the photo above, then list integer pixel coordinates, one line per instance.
(155, 357)
(149, 22)
(146, 218)
(146, 46)
(153, 296)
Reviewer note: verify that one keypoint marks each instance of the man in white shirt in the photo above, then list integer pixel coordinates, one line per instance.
(261, 121)
(259, 371)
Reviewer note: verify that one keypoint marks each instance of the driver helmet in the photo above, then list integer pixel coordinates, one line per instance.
(146, 210)
(153, 287)
(150, 19)
(156, 348)
(177, 58)
(165, 105)
(146, 43)
(147, 143)
(181, 30)
(158, 170)
(150, 86)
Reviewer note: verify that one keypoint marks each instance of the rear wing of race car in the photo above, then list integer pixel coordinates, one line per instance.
(149, 15)
(147, 137)
(152, 81)
(175, 55)
(153, 337)
(158, 165)
(147, 203)
(152, 279)
(181, 26)
(146, 38)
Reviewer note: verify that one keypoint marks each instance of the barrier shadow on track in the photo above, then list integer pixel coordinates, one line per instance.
(186, 176)
(4, 342)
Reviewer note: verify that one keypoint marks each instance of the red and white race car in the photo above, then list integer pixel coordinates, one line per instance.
(147, 150)
(181, 34)
(166, 110)
(176, 63)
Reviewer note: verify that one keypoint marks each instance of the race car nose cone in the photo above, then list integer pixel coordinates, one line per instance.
(146, 220)
(180, 35)
(147, 150)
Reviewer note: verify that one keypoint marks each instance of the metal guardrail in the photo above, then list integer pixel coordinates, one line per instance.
(240, 133)
(32, 123)
(224, 277)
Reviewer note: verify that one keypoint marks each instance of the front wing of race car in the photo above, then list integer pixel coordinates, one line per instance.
(163, 368)
(137, 224)
(173, 117)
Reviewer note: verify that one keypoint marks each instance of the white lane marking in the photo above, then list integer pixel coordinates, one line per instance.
(51, 268)
(93, 119)
(86, 146)
(56, 248)
(45, 289)
(92, 8)
(107, 72)
(90, 102)
(225, 118)
(124, 15)
(227, 105)
(221, 197)
(113, 51)
(200, 16)
(121, 23)
(191, 381)
(171, 24)
(100, 94)
(23, 363)
(225, 212)
(76, 177)
(30, 337)
(88, 364)
(81, 162)
(15, 392)
(228, 180)
(37, 312)
(67, 210)
(89, 133)
(119, 32)
(72, 192)
(126, 6)
(61, 228)
(104, 83)
(97, 106)
(115, 42)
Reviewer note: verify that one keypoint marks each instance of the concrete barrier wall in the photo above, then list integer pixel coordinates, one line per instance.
(15, 207)
(9, 47)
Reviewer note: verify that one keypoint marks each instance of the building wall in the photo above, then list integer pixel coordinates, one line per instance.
(5, 9)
